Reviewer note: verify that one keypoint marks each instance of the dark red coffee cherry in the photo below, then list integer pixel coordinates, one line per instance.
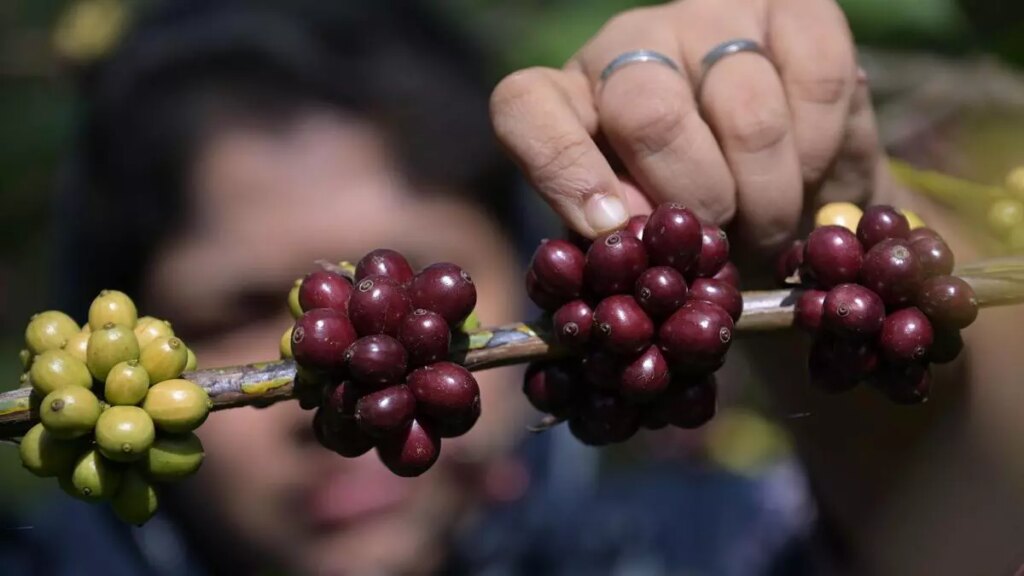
(691, 402)
(340, 399)
(621, 326)
(922, 233)
(832, 256)
(646, 377)
(444, 390)
(613, 264)
(385, 412)
(446, 289)
(789, 262)
(714, 251)
(652, 416)
(558, 268)
(601, 419)
(573, 323)
(935, 256)
(810, 306)
(539, 296)
(946, 346)
(660, 291)
(455, 426)
(719, 293)
(425, 336)
(697, 336)
(384, 262)
(881, 223)
(635, 226)
(673, 237)
(602, 370)
(729, 274)
(836, 364)
(323, 289)
(410, 452)
(320, 338)
(550, 386)
(852, 311)
(378, 305)
(906, 384)
(340, 434)
(376, 361)
(948, 301)
(892, 270)
(906, 336)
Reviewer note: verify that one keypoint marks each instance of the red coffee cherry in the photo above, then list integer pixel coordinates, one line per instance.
(539, 296)
(384, 262)
(832, 256)
(635, 226)
(719, 293)
(646, 377)
(378, 305)
(340, 434)
(340, 399)
(600, 419)
(948, 301)
(881, 223)
(729, 274)
(425, 336)
(550, 386)
(673, 237)
(320, 338)
(853, 311)
(558, 268)
(906, 336)
(946, 346)
(714, 251)
(789, 262)
(385, 412)
(410, 452)
(444, 390)
(323, 289)
(934, 254)
(573, 324)
(697, 336)
(810, 306)
(660, 291)
(892, 270)
(621, 326)
(376, 361)
(922, 233)
(613, 264)
(837, 365)
(446, 289)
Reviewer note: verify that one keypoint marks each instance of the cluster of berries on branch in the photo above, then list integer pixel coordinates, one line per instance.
(646, 315)
(372, 355)
(115, 416)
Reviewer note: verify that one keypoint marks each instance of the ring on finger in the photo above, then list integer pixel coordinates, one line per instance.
(636, 57)
(724, 50)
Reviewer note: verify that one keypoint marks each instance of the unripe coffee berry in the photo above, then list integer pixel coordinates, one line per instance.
(56, 369)
(124, 433)
(49, 330)
(164, 359)
(109, 346)
(112, 307)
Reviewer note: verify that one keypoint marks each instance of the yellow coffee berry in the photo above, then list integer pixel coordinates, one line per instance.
(1004, 215)
(173, 457)
(94, 477)
(124, 433)
(164, 359)
(112, 307)
(1015, 183)
(913, 219)
(843, 214)
(285, 346)
(136, 500)
(149, 328)
(44, 455)
(110, 346)
(49, 331)
(177, 406)
(55, 369)
(69, 412)
(293, 300)
(192, 361)
(126, 384)
(78, 346)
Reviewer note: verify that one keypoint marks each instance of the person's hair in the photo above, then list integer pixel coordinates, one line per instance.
(144, 107)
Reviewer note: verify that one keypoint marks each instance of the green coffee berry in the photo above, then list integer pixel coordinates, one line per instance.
(124, 433)
(69, 412)
(177, 405)
(112, 307)
(192, 361)
(108, 347)
(126, 384)
(293, 300)
(172, 458)
(136, 500)
(471, 323)
(286, 344)
(49, 331)
(44, 455)
(55, 369)
(78, 346)
(23, 381)
(149, 328)
(94, 477)
(1004, 215)
(25, 357)
(164, 359)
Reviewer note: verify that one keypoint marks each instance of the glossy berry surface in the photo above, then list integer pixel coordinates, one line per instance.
(446, 289)
(935, 256)
(340, 399)
(444, 390)
(376, 361)
(646, 377)
(852, 311)
(836, 364)
(906, 336)
(613, 264)
(635, 226)
(714, 251)
(729, 274)
(905, 383)
(691, 403)
(323, 289)
(550, 386)
(378, 305)
(539, 295)
(384, 262)
(697, 336)
(892, 270)
(455, 426)
(725, 296)
(832, 256)
(922, 233)
(601, 419)
(621, 326)
(660, 291)
(425, 336)
(808, 310)
(320, 338)
(948, 301)
(673, 237)
(558, 268)
(881, 223)
(341, 434)
(386, 411)
(789, 262)
(573, 323)
(410, 452)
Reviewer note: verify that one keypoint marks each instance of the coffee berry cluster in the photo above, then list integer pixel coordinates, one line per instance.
(880, 300)
(646, 315)
(115, 416)
(372, 356)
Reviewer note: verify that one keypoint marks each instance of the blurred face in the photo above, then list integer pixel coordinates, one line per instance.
(269, 203)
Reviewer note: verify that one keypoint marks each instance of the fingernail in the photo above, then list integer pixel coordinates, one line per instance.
(605, 213)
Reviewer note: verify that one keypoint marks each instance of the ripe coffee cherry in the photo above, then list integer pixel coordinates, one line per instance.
(810, 306)
(723, 295)
(444, 390)
(602, 370)
(948, 301)
(455, 426)
(853, 311)
(446, 289)
(550, 386)
(613, 264)
(881, 223)
(386, 411)
(934, 254)
(714, 251)
(832, 256)
(621, 326)
(573, 324)
(691, 403)
(425, 336)
(660, 291)
(892, 270)
(789, 262)
(320, 338)
(673, 237)
(922, 233)
(340, 434)
(323, 289)
(602, 419)
(376, 361)
(340, 399)
(378, 305)
(384, 262)
(645, 378)
(635, 226)
(697, 336)
(946, 346)
(836, 364)
(411, 452)
(539, 296)
(558, 268)
(905, 383)
(906, 336)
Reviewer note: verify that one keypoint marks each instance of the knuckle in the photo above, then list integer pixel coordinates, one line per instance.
(757, 127)
(827, 89)
(558, 160)
(516, 88)
(653, 124)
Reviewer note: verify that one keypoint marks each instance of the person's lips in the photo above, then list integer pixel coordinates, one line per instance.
(345, 496)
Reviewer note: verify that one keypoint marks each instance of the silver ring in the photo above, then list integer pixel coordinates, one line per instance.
(636, 57)
(727, 48)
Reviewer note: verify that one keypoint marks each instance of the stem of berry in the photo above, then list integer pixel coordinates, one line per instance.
(996, 283)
